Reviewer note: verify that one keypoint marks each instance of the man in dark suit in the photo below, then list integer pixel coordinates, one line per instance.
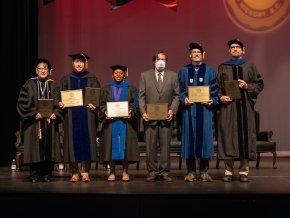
(158, 85)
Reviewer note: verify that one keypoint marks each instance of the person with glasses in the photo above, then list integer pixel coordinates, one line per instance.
(236, 118)
(40, 124)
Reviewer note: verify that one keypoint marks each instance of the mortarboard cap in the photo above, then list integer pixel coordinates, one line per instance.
(120, 67)
(195, 45)
(235, 41)
(80, 56)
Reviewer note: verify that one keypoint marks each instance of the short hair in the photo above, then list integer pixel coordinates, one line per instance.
(155, 56)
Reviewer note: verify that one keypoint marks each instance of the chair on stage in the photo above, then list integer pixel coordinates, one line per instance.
(264, 143)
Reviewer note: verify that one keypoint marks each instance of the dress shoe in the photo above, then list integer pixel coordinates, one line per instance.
(167, 178)
(35, 179)
(244, 178)
(46, 178)
(125, 177)
(205, 177)
(190, 177)
(112, 177)
(74, 178)
(151, 178)
(227, 178)
(85, 177)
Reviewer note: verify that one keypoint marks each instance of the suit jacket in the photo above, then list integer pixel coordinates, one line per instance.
(149, 93)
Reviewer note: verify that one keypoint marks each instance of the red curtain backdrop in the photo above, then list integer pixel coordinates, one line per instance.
(131, 34)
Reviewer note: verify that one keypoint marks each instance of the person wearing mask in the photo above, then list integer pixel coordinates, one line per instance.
(40, 128)
(158, 85)
(197, 135)
(80, 122)
(236, 120)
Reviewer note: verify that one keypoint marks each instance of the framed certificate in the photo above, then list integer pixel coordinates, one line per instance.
(157, 111)
(198, 94)
(92, 96)
(45, 107)
(232, 89)
(118, 109)
(72, 98)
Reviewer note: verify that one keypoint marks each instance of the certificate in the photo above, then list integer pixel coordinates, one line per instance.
(198, 93)
(232, 89)
(157, 111)
(92, 96)
(72, 98)
(45, 107)
(118, 109)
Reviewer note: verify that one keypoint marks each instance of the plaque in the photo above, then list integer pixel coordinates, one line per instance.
(45, 107)
(118, 109)
(92, 96)
(232, 89)
(72, 98)
(158, 111)
(198, 94)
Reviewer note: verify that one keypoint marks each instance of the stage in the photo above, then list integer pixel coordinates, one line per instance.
(267, 193)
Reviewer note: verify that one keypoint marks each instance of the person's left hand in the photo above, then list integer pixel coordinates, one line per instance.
(91, 107)
(169, 115)
(207, 103)
(242, 84)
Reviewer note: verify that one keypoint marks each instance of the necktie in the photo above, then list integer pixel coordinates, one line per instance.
(159, 81)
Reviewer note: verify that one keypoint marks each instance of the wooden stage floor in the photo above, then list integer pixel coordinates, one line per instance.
(268, 193)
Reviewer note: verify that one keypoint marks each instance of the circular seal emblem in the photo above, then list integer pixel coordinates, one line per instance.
(258, 16)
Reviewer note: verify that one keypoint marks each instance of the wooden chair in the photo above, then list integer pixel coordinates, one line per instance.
(264, 143)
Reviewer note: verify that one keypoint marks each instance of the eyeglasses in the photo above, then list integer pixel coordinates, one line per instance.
(40, 68)
(235, 46)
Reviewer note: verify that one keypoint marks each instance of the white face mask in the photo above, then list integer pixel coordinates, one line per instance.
(160, 65)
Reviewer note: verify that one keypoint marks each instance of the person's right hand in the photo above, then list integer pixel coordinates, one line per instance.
(187, 102)
(225, 99)
(61, 105)
(145, 117)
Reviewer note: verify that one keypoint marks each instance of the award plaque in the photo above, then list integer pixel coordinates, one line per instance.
(232, 89)
(45, 107)
(158, 111)
(118, 109)
(92, 96)
(198, 94)
(72, 98)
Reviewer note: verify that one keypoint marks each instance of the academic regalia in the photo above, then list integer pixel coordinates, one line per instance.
(124, 126)
(80, 123)
(197, 136)
(41, 140)
(236, 120)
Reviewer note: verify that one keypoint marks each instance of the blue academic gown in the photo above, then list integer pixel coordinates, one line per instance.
(197, 135)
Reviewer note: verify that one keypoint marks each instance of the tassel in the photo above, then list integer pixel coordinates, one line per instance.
(39, 130)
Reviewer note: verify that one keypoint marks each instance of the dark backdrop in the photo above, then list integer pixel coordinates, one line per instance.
(19, 39)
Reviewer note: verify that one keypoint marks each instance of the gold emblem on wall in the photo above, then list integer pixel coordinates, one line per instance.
(258, 16)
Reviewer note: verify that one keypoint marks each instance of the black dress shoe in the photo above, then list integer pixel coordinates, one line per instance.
(35, 179)
(227, 178)
(46, 179)
(244, 178)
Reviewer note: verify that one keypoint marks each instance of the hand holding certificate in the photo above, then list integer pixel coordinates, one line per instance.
(117, 109)
(197, 94)
(45, 107)
(72, 98)
(232, 89)
(92, 96)
(157, 111)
